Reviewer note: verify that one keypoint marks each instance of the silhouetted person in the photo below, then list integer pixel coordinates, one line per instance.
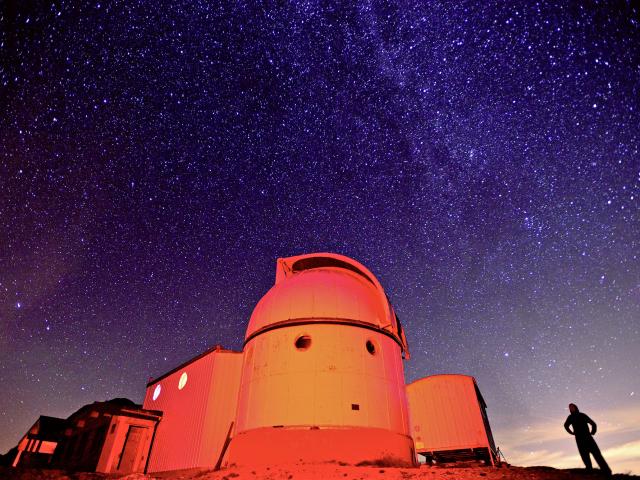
(584, 438)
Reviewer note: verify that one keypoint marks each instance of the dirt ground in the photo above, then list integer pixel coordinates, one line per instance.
(331, 471)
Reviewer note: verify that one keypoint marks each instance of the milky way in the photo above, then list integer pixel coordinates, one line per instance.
(481, 159)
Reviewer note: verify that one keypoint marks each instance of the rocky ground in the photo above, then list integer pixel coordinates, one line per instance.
(331, 471)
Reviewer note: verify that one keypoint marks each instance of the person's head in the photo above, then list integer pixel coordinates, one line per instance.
(573, 408)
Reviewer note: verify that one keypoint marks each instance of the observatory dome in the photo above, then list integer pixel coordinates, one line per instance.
(325, 288)
(322, 376)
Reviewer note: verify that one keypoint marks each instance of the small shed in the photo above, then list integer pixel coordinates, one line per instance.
(449, 420)
(36, 447)
(198, 400)
(107, 437)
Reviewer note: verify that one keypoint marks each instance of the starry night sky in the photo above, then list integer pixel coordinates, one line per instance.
(482, 159)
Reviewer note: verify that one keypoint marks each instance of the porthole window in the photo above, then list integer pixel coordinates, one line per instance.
(303, 342)
(156, 392)
(371, 347)
(183, 380)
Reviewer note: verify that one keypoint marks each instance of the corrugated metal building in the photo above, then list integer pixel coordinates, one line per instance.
(449, 420)
(322, 377)
(198, 402)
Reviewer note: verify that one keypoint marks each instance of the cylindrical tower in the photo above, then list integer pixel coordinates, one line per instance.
(322, 376)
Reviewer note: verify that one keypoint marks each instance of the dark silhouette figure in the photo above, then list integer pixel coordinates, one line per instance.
(584, 438)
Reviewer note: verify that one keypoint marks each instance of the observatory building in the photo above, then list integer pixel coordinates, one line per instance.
(320, 378)
(322, 374)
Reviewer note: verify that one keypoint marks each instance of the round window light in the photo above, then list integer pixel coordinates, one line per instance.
(371, 347)
(183, 380)
(156, 392)
(303, 342)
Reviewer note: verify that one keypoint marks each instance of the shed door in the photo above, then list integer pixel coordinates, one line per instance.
(130, 449)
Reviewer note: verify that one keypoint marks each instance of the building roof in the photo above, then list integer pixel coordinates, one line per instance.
(48, 428)
(214, 349)
(115, 406)
(447, 378)
(325, 288)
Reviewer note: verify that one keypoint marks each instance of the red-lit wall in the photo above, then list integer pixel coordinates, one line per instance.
(195, 419)
(334, 401)
(115, 442)
(446, 414)
(34, 446)
(322, 385)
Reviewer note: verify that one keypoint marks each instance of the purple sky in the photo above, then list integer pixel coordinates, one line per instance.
(481, 159)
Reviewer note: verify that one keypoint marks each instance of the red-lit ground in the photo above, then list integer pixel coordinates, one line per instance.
(332, 471)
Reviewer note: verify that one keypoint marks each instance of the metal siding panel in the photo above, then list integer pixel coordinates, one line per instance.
(319, 387)
(298, 395)
(222, 405)
(445, 409)
(178, 440)
(320, 384)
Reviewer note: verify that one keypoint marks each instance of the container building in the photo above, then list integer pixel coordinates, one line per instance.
(449, 419)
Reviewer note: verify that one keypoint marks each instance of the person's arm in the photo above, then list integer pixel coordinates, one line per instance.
(594, 427)
(566, 426)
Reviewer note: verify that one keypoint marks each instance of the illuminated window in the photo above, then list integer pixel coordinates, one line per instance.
(156, 392)
(183, 381)
(303, 342)
(371, 347)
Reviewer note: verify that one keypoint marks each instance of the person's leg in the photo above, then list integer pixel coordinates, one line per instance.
(602, 463)
(583, 448)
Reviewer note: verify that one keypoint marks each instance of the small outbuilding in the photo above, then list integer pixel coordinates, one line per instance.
(449, 419)
(36, 447)
(198, 402)
(107, 437)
